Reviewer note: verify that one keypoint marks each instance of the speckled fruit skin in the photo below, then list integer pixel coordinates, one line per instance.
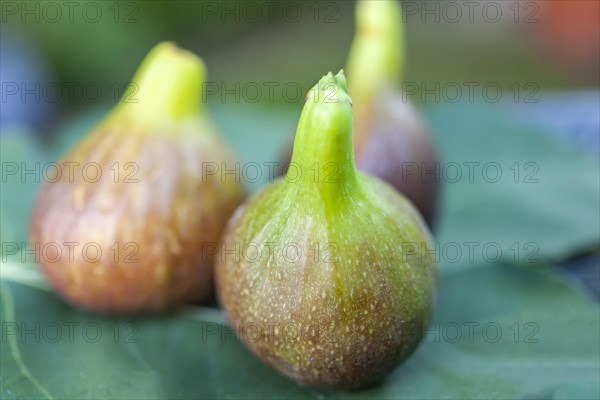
(350, 314)
(129, 224)
(159, 217)
(327, 285)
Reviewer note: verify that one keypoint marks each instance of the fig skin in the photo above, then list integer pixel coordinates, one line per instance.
(350, 305)
(155, 220)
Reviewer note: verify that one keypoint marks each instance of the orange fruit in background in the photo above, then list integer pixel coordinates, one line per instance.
(568, 33)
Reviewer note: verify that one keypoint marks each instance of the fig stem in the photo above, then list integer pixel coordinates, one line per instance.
(323, 155)
(376, 57)
(168, 85)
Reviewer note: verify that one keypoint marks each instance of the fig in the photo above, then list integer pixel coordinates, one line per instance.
(319, 272)
(126, 224)
(391, 140)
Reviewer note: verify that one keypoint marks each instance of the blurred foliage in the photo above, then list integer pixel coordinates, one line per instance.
(262, 41)
(527, 335)
(22, 161)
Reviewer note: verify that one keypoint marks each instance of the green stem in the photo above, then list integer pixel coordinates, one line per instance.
(323, 156)
(377, 53)
(166, 86)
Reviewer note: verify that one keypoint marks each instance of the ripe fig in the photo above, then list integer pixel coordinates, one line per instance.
(390, 138)
(123, 227)
(319, 272)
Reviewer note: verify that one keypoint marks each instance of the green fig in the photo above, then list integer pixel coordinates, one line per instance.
(391, 140)
(125, 227)
(319, 273)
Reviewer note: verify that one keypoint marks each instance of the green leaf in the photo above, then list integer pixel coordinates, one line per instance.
(548, 347)
(544, 206)
(499, 332)
(24, 168)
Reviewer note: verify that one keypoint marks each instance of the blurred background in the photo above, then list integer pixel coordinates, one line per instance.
(509, 83)
(486, 74)
(83, 54)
